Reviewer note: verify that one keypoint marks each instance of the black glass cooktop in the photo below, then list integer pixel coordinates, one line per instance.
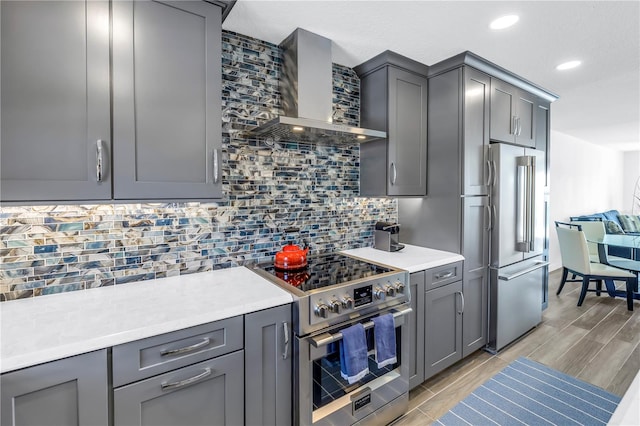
(326, 270)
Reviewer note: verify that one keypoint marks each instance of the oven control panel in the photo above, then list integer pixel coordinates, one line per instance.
(348, 299)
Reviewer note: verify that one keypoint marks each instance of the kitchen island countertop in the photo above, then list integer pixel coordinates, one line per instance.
(51, 327)
(410, 258)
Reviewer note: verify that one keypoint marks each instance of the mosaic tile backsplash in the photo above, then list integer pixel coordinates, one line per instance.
(266, 187)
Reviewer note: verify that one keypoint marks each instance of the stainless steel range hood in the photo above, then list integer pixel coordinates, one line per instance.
(306, 89)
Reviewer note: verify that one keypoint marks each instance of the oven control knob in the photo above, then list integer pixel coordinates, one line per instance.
(391, 291)
(379, 293)
(399, 287)
(347, 302)
(335, 306)
(321, 310)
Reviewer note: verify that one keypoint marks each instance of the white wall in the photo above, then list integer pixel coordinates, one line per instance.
(631, 175)
(585, 178)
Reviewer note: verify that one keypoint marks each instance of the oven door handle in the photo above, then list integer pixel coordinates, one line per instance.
(326, 338)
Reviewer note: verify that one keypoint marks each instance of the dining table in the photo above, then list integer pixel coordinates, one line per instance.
(619, 240)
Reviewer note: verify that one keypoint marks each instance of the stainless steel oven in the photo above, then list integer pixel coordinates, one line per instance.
(325, 398)
(334, 292)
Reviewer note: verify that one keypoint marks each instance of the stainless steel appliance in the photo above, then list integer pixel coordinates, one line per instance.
(306, 87)
(517, 242)
(386, 237)
(334, 292)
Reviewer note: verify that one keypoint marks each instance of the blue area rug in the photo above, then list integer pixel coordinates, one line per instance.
(526, 392)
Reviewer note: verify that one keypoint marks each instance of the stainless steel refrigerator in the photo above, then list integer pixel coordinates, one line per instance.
(517, 266)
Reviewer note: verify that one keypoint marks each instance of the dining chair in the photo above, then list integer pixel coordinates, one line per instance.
(575, 259)
(594, 230)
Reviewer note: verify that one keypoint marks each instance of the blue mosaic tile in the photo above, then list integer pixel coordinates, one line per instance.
(267, 188)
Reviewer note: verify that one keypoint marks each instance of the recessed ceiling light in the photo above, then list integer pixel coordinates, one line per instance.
(568, 65)
(503, 22)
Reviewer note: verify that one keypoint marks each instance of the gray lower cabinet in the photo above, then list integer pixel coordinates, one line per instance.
(416, 329)
(393, 98)
(443, 327)
(193, 377)
(268, 367)
(70, 391)
(166, 99)
(55, 110)
(513, 113)
(207, 393)
(475, 249)
(437, 327)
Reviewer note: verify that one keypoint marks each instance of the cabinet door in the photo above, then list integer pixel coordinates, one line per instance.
(543, 129)
(55, 110)
(503, 113)
(71, 391)
(443, 328)
(476, 171)
(476, 223)
(268, 387)
(526, 112)
(407, 133)
(207, 393)
(166, 99)
(416, 329)
(474, 318)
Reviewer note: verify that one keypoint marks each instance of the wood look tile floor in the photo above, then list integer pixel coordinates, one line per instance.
(598, 342)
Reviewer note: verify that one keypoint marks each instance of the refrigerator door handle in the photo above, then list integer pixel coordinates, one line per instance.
(521, 204)
(539, 264)
(531, 210)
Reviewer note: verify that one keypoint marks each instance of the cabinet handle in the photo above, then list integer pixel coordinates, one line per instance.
(285, 330)
(495, 173)
(514, 125)
(461, 311)
(173, 385)
(169, 352)
(442, 275)
(99, 160)
(519, 127)
(490, 218)
(215, 166)
(489, 170)
(394, 173)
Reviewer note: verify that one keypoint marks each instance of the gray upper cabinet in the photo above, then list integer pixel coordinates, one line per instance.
(57, 81)
(166, 99)
(512, 114)
(393, 98)
(55, 109)
(268, 367)
(71, 391)
(543, 129)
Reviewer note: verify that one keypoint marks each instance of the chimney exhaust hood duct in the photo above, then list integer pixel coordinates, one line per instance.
(306, 89)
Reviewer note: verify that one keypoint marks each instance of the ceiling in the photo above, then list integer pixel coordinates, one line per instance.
(599, 101)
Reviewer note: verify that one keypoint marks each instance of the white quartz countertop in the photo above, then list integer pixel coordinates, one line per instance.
(410, 258)
(47, 328)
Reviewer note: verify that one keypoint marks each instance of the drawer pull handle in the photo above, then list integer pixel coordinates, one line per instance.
(173, 385)
(169, 352)
(442, 275)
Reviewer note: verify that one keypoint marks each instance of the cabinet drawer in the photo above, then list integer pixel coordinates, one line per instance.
(443, 275)
(147, 357)
(208, 393)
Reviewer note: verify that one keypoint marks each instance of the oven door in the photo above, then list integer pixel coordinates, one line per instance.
(323, 397)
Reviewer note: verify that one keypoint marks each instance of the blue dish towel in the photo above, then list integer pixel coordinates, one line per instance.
(354, 363)
(384, 330)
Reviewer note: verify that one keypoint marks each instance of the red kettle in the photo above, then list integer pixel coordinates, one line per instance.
(291, 257)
